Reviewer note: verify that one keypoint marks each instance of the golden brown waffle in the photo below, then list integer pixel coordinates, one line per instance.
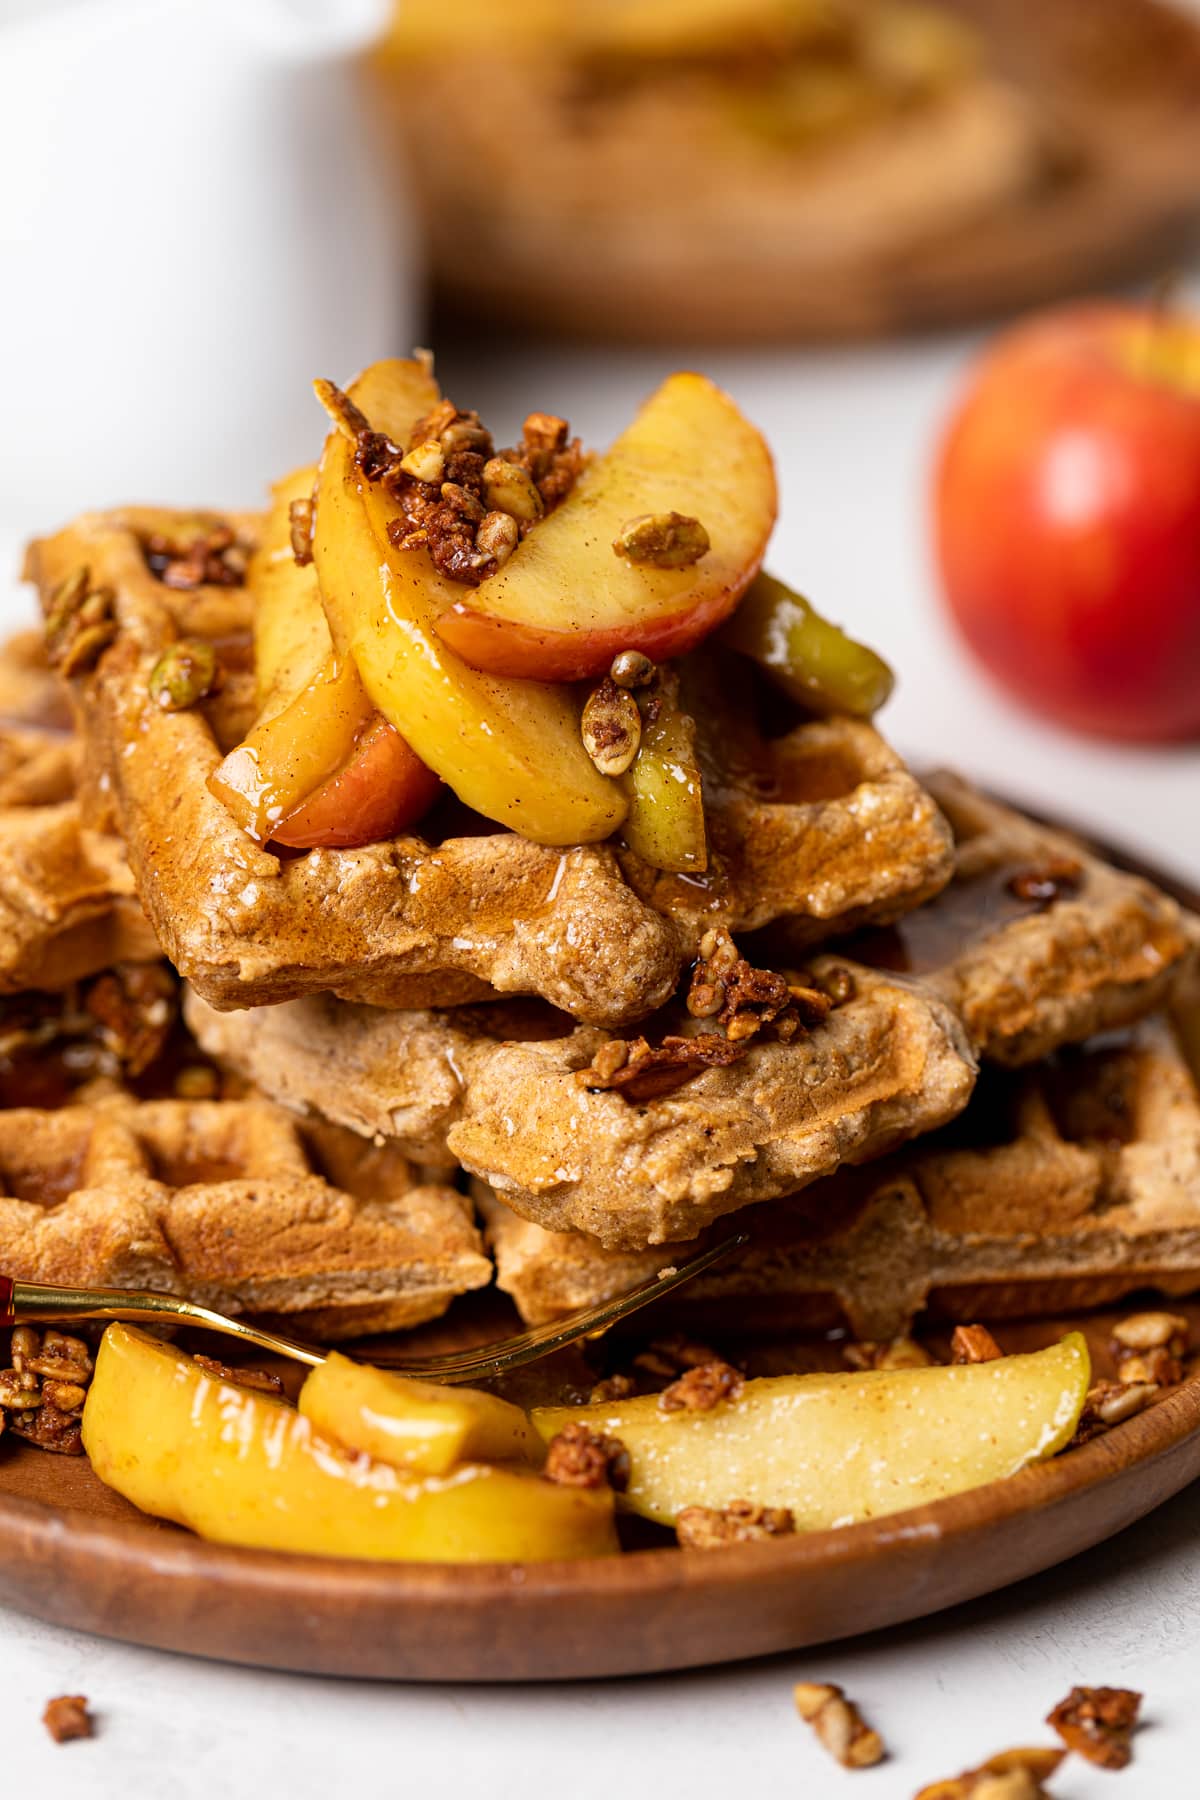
(1036, 942)
(503, 1091)
(420, 921)
(67, 902)
(1061, 1187)
(233, 1204)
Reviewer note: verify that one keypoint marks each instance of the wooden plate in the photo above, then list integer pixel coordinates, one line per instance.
(73, 1552)
(1115, 85)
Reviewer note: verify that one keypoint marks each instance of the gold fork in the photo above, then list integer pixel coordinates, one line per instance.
(27, 1302)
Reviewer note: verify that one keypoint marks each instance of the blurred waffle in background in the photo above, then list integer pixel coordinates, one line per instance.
(747, 170)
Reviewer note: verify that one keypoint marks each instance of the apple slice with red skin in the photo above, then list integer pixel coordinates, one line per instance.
(381, 790)
(565, 602)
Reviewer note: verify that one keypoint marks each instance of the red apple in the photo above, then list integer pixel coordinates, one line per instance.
(1068, 518)
(381, 789)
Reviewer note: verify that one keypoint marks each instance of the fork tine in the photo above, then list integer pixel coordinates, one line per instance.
(26, 1302)
(487, 1360)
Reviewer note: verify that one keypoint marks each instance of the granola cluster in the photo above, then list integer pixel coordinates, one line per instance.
(1098, 1723)
(1010, 1775)
(67, 1717)
(43, 1390)
(640, 1071)
(742, 999)
(702, 1387)
(1148, 1349)
(715, 1527)
(838, 1724)
(199, 552)
(1151, 1346)
(583, 1458)
(460, 500)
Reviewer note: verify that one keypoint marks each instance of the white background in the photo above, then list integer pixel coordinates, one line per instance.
(853, 432)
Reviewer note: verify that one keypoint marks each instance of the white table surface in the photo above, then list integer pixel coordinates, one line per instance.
(852, 431)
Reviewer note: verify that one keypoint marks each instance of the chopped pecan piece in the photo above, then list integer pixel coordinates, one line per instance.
(838, 1724)
(1010, 1775)
(701, 1388)
(1098, 1723)
(581, 1457)
(1045, 882)
(135, 1005)
(713, 1527)
(644, 1074)
(261, 1381)
(898, 1353)
(1110, 1403)
(67, 1717)
(973, 1344)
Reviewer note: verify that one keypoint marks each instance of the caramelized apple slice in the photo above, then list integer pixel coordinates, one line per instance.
(510, 749)
(320, 767)
(246, 1468)
(814, 662)
(291, 638)
(565, 602)
(665, 821)
(838, 1448)
(414, 1425)
(383, 788)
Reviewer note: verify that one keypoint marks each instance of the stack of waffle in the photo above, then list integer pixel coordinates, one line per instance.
(405, 1071)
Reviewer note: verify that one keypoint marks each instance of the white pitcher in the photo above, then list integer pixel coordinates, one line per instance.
(193, 224)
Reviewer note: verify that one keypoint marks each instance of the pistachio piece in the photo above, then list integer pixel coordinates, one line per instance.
(509, 488)
(183, 675)
(668, 540)
(611, 727)
(632, 669)
(497, 537)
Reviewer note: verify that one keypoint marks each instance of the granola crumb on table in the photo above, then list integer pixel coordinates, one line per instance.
(838, 1724)
(1098, 1723)
(67, 1717)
